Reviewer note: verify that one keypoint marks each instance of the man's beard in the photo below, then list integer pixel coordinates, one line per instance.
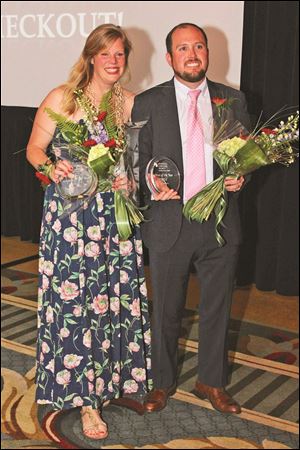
(191, 77)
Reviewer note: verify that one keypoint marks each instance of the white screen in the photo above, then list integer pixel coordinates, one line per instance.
(41, 41)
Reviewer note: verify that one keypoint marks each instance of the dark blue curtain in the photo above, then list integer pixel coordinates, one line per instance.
(21, 194)
(270, 202)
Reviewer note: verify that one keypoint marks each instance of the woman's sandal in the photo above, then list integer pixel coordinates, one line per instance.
(96, 429)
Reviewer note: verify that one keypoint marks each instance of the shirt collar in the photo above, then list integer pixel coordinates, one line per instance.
(182, 90)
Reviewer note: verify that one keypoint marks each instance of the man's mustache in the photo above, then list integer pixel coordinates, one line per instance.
(192, 61)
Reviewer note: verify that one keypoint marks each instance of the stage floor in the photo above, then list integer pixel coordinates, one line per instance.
(263, 343)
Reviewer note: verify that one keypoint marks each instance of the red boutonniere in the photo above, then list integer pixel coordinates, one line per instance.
(219, 101)
(222, 103)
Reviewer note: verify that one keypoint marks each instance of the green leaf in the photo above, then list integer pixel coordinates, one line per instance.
(72, 131)
(55, 288)
(74, 276)
(128, 361)
(75, 257)
(109, 121)
(69, 397)
(72, 322)
(94, 273)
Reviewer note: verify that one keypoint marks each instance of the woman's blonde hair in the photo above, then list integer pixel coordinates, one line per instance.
(82, 71)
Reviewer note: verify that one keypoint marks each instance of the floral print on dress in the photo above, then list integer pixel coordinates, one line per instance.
(93, 323)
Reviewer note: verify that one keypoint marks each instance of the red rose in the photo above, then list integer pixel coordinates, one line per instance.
(89, 143)
(110, 143)
(101, 116)
(219, 101)
(268, 131)
(43, 178)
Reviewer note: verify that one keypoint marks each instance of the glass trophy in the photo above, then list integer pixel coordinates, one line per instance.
(162, 174)
(131, 156)
(83, 182)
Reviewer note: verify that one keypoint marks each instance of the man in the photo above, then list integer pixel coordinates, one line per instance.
(175, 243)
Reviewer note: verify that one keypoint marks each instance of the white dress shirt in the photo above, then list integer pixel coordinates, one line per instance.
(205, 111)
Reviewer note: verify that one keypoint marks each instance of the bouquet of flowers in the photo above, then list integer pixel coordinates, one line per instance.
(99, 145)
(240, 155)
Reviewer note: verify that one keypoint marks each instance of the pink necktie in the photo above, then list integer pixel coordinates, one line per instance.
(194, 171)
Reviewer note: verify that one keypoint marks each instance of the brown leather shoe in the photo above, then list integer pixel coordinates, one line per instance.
(218, 397)
(157, 399)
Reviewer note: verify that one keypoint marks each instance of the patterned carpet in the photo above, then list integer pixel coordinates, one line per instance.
(244, 337)
(264, 379)
(19, 284)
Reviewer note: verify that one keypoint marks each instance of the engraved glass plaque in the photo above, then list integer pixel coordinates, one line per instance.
(83, 182)
(131, 156)
(162, 174)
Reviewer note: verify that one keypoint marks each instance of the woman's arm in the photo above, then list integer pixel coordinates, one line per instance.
(42, 134)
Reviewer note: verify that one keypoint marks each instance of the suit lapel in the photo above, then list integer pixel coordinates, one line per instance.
(170, 121)
(214, 92)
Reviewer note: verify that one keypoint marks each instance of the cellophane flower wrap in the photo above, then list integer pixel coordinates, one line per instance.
(99, 143)
(240, 155)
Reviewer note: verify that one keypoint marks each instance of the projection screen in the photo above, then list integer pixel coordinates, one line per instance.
(41, 40)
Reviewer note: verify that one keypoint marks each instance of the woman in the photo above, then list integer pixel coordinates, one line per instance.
(93, 327)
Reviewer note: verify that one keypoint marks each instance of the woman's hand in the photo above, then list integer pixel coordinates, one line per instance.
(61, 170)
(122, 183)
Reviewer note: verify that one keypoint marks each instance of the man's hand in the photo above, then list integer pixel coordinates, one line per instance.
(165, 192)
(233, 184)
(170, 194)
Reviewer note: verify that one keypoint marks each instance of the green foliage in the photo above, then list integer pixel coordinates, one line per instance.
(110, 120)
(74, 132)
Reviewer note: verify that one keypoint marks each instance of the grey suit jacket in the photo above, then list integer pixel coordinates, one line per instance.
(161, 136)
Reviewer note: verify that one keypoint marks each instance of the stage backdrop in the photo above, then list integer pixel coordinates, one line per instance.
(42, 40)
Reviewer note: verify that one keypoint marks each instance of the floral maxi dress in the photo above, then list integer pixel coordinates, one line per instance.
(93, 324)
